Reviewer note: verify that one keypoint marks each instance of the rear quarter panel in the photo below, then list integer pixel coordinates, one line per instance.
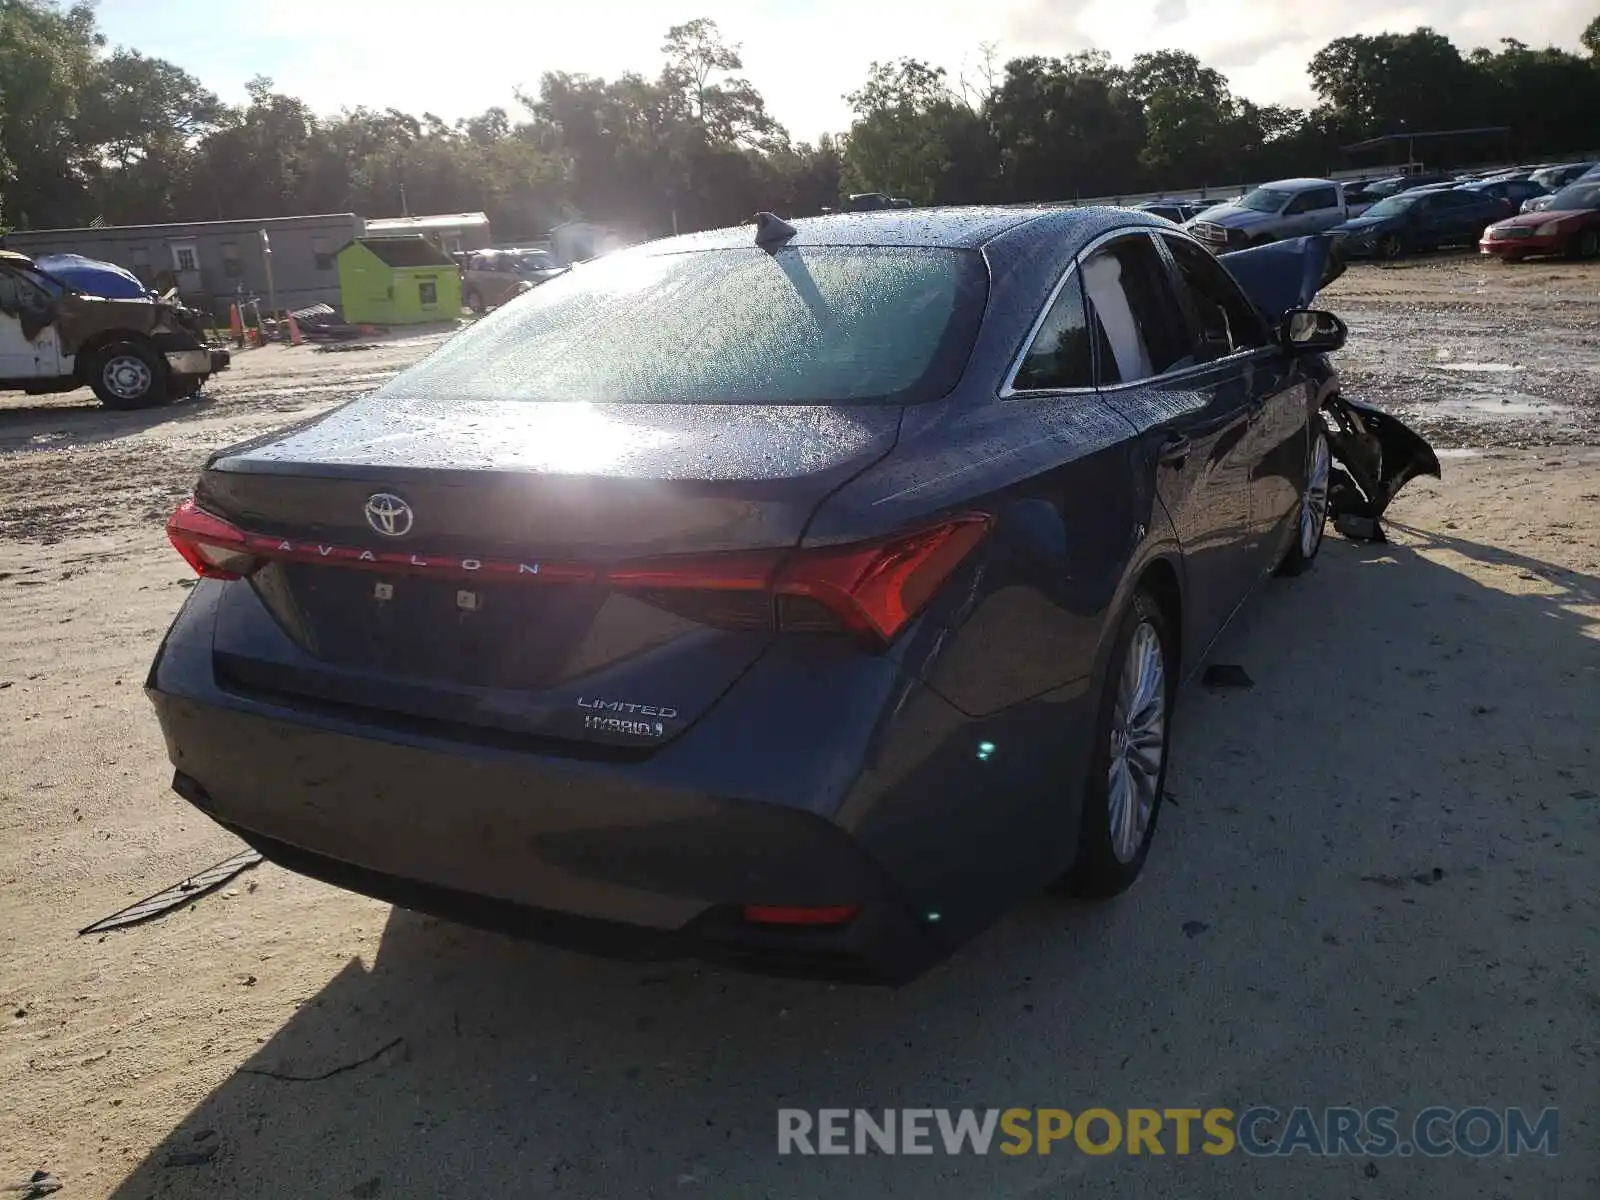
(1015, 641)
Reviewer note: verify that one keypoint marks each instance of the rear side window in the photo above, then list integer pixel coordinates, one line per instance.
(1227, 321)
(1059, 356)
(1130, 294)
(804, 325)
(1314, 201)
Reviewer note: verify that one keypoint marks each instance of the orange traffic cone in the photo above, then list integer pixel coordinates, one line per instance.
(294, 330)
(236, 325)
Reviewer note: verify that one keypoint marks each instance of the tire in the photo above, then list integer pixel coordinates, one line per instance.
(1586, 244)
(1141, 674)
(127, 376)
(475, 300)
(1311, 522)
(1390, 247)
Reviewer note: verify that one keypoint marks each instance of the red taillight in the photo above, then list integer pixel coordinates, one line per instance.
(878, 587)
(800, 914)
(872, 589)
(214, 548)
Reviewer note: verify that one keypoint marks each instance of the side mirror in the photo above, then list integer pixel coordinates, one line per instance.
(1312, 331)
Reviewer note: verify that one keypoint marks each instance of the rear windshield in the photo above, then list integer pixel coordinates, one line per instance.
(808, 325)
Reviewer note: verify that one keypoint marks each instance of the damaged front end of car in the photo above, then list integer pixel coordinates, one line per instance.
(101, 296)
(1375, 454)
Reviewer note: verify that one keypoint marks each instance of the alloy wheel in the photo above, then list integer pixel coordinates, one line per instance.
(127, 376)
(1314, 500)
(1138, 741)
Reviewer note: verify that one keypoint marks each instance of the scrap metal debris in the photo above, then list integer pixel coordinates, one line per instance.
(177, 895)
(42, 1184)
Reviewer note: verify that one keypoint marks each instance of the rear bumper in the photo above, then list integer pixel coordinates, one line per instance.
(843, 784)
(883, 943)
(525, 844)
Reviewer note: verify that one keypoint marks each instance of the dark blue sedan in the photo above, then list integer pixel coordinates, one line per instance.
(795, 595)
(1424, 219)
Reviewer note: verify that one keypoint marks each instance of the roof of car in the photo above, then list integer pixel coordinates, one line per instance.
(14, 256)
(1296, 184)
(955, 228)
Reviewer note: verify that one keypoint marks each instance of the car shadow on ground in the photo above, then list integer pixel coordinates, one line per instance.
(1277, 899)
(71, 419)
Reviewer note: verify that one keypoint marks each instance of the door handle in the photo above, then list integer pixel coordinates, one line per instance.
(1174, 451)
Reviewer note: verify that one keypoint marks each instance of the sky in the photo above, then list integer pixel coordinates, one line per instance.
(459, 58)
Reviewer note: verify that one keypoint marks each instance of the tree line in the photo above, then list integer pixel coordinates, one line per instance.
(98, 135)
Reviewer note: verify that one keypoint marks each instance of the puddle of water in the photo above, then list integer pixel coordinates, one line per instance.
(1459, 452)
(1483, 367)
(1506, 404)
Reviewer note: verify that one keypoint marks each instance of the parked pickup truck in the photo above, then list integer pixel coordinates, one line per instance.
(134, 348)
(1289, 208)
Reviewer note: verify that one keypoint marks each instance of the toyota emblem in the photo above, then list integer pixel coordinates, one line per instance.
(388, 514)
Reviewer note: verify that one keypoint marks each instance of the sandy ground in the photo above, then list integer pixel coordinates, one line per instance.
(1376, 884)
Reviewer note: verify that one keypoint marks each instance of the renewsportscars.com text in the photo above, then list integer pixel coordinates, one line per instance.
(1260, 1131)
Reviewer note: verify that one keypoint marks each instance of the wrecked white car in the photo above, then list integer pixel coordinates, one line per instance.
(135, 351)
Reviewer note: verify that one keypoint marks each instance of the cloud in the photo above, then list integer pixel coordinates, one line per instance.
(804, 55)
(1170, 12)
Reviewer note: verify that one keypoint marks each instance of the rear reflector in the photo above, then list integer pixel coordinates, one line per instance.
(872, 588)
(799, 914)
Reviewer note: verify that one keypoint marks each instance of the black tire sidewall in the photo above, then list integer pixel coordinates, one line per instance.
(154, 395)
(475, 300)
(1390, 247)
(1586, 243)
(1096, 872)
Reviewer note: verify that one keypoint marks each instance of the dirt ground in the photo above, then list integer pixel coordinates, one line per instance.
(1376, 883)
(1475, 352)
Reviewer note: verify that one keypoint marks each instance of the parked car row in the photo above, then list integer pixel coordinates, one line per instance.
(1388, 218)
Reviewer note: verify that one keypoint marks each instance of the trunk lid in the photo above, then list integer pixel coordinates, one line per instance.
(447, 561)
